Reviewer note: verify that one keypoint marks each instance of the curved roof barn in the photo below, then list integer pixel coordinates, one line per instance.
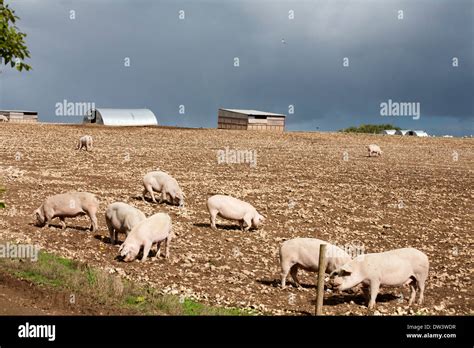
(121, 117)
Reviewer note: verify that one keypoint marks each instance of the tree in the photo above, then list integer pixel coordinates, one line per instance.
(369, 128)
(13, 49)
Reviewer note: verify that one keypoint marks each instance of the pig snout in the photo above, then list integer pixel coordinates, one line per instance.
(335, 281)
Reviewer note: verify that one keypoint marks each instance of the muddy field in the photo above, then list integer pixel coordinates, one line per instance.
(418, 194)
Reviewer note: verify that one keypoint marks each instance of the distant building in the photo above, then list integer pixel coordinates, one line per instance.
(416, 133)
(121, 117)
(250, 120)
(389, 132)
(19, 116)
(402, 131)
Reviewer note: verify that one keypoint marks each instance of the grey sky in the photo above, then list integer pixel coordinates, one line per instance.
(191, 61)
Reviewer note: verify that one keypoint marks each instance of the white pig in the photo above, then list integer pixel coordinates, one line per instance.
(121, 217)
(155, 229)
(374, 150)
(85, 141)
(304, 253)
(65, 205)
(164, 183)
(231, 208)
(407, 266)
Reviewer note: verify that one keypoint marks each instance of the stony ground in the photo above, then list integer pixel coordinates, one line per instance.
(418, 194)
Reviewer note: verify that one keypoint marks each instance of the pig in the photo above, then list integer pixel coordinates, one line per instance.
(374, 150)
(121, 217)
(231, 208)
(155, 229)
(164, 183)
(85, 142)
(304, 253)
(407, 266)
(3, 118)
(65, 205)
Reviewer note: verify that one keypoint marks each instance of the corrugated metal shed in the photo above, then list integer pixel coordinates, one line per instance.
(246, 119)
(121, 117)
(389, 132)
(418, 133)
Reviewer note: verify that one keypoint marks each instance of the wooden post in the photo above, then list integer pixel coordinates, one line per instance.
(321, 274)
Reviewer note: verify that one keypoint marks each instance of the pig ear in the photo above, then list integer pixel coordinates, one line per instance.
(347, 268)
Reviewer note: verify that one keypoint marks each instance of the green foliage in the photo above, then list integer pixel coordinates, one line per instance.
(12, 41)
(369, 128)
(38, 278)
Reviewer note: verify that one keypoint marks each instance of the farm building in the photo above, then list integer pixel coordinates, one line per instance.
(418, 133)
(21, 116)
(389, 132)
(250, 120)
(121, 117)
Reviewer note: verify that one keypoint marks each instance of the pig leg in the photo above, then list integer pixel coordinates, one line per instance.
(63, 222)
(93, 218)
(149, 189)
(412, 292)
(111, 231)
(167, 249)
(158, 249)
(146, 250)
(212, 218)
(163, 197)
(247, 222)
(294, 274)
(374, 290)
(421, 287)
(285, 269)
(365, 290)
(47, 220)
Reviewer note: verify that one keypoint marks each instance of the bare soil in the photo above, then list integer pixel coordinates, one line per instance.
(20, 297)
(419, 193)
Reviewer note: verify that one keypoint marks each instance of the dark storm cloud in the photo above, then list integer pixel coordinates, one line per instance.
(190, 62)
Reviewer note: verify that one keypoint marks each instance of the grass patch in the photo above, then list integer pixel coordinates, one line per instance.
(104, 288)
(37, 278)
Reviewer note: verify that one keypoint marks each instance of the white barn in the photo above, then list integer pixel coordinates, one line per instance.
(389, 132)
(416, 133)
(419, 133)
(402, 132)
(121, 117)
